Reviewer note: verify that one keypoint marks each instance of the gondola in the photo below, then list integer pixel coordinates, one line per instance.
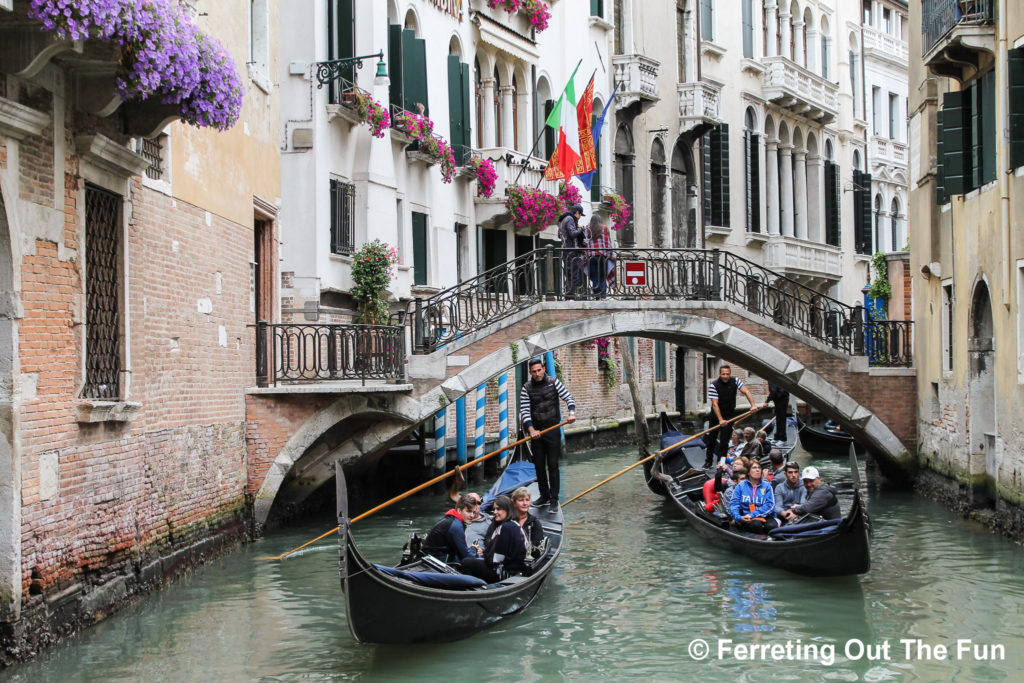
(425, 600)
(694, 456)
(821, 548)
(827, 442)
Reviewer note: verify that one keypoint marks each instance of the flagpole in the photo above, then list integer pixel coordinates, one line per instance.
(542, 131)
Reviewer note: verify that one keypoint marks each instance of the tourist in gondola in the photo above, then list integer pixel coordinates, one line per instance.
(821, 498)
(778, 464)
(538, 409)
(447, 539)
(753, 503)
(751, 446)
(722, 393)
(531, 525)
(788, 491)
(504, 546)
(735, 444)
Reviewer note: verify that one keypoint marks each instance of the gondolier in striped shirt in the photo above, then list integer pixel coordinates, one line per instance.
(722, 394)
(538, 409)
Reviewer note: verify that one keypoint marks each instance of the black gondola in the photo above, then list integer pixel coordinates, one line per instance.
(816, 549)
(425, 601)
(827, 442)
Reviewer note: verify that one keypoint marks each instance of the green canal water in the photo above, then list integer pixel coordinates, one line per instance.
(635, 597)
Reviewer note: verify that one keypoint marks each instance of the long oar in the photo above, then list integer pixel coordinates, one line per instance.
(663, 450)
(417, 489)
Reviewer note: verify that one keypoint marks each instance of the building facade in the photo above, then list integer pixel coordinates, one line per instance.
(135, 252)
(967, 143)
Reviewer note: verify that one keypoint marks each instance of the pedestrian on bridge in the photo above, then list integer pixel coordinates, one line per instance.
(538, 409)
(722, 393)
(601, 256)
(573, 242)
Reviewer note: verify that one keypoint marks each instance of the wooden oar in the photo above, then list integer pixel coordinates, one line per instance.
(663, 450)
(417, 489)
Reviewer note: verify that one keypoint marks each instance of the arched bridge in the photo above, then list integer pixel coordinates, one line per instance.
(833, 356)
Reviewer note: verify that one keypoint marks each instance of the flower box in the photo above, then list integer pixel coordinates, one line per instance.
(343, 112)
(415, 155)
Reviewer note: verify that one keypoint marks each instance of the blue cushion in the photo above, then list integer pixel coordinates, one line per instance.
(434, 580)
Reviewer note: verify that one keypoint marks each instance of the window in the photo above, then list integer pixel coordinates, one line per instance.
(407, 64)
(660, 362)
(343, 217)
(861, 211)
(1015, 72)
(876, 105)
(620, 24)
(748, 28)
(102, 294)
(259, 41)
(867, 12)
(681, 41)
(752, 175)
(825, 52)
(832, 199)
(887, 20)
(878, 223)
(707, 19)
(458, 109)
(341, 43)
(597, 8)
(152, 150)
(419, 248)
(966, 138)
(947, 327)
(716, 176)
(894, 216)
(894, 112)
(595, 180)
(853, 82)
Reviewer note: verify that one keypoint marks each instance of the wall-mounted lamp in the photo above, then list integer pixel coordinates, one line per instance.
(328, 72)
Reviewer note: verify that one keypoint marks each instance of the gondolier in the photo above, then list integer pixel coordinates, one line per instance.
(538, 409)
(722, 393)
(780, 397)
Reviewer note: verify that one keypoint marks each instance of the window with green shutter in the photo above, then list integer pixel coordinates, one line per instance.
(986, 87)
(597, 8)
(660, 362)
(340, 41)
(752, 180)
(833, 234)
(458, 108)
(419, 248)
(395, 71)
(715, 147)
(940, 186)
(414, 73)
(1015, 72)
(956, 135)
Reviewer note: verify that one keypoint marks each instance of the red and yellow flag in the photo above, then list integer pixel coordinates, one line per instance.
(587, 159)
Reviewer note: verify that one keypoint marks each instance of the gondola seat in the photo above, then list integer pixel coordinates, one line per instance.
(434, 580)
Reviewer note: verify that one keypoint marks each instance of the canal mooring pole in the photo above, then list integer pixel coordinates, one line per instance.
(503, 415)
(440, 456)
(460, 429)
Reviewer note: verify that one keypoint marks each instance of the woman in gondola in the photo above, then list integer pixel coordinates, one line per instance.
(532, 528)
(504, 546)
(753, 502)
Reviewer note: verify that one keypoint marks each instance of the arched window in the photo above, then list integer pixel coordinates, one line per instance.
(752, 168)
(856, 159)
(878, 222)
(894, 219)
(854, 58)
(498, 142)
(515, 113)
(478, 90)
(659, 177)
(826, 57)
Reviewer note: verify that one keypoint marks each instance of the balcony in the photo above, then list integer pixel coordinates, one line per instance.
(510, 33)
(636, 77)
(795, 88)
(887, 151)
(956, 35)
(810, 263)
(885, 47)
(508, 164)
(699, 106)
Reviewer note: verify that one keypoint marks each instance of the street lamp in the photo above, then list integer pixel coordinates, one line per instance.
(330, 71)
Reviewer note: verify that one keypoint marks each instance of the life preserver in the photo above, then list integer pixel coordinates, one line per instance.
(710, 495)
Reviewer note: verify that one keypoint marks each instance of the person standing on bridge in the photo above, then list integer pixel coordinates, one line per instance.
(538, 409)
(573, 243)
(722, 393)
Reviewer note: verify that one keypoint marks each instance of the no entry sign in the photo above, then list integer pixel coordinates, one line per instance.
(636, 273)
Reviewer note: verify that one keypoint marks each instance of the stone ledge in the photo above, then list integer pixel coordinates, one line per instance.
(110, 156)
(331, 387)
(19, 122)
(92, 411)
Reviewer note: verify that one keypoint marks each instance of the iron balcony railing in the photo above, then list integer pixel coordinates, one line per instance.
(552, 274)
(302, 353)
(939, 17)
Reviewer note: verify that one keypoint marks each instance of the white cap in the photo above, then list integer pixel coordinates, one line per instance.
(810, 472)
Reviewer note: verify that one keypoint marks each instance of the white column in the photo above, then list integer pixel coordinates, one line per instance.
(507, 124)
(487, 125)
(784, 31)
(800, 204)
(772, 22)
(815, 191)
(798, 43)
(772, 194)
(786, 166)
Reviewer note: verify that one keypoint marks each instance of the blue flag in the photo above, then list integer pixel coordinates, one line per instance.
(588, 178)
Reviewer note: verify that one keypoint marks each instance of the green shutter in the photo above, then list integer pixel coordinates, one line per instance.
(832, 204)
(755, 182)
(1015, 71)
(395, 65)
(597, 8)
(974, 144)
(865, 213)
(467, 133)
(705, 149)
(720, 176)
(335, 217)
(940, 181)
(858, 217)
(414, 55)
(987, 99)
(456, 124)
(549, 132)
(419, 248)
(956, 161)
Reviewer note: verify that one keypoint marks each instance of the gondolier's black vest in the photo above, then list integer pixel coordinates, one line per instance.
(437, 543)
(726, 396)
(543, 402)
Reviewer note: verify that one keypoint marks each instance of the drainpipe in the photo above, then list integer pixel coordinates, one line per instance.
(1004, 194)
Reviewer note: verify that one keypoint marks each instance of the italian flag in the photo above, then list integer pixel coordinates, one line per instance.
(563, 118)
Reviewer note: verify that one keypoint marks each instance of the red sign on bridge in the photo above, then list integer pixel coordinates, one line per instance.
(636, 273)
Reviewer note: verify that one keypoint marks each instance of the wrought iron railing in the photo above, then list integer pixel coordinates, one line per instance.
(938, 17)
(675, 274)
(300, 353)
(889, 343)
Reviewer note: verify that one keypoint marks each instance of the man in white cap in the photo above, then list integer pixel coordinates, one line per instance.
(821, 498)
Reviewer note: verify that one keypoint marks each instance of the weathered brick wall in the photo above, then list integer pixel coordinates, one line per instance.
(36, 152)
(272, 419)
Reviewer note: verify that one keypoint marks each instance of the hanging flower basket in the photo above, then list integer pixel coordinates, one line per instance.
(620, 211)
(531, 208)
(568, 195)
(536, 12)
(370, 112)
(482, 171)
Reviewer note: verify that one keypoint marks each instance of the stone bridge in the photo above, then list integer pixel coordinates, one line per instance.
(877, 404)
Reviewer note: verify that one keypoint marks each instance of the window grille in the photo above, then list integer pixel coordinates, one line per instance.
(343, 215)
(151, 149)
(102, 290)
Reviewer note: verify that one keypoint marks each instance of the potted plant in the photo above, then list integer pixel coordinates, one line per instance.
(620, 211)
(531, 208)
(372, 272)
(482, 170)
(371, 112)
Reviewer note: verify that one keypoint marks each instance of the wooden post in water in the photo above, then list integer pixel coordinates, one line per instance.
(639, 417)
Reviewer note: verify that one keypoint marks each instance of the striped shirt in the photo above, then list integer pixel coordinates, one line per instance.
(713, 392)
(524, 402)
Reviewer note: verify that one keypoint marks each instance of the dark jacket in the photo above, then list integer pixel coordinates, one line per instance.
(447, 539)
(505, 552)
(726, 396)
(822, 502)
(569, 231)
(777, 395)
(533, 530)
(544, 410)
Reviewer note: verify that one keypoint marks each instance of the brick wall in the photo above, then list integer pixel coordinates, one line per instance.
(36, 152)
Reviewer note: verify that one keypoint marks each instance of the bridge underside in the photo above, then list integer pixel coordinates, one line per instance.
(877, 405)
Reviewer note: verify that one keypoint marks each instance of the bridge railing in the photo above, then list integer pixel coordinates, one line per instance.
(302, 353)
(553, 274)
